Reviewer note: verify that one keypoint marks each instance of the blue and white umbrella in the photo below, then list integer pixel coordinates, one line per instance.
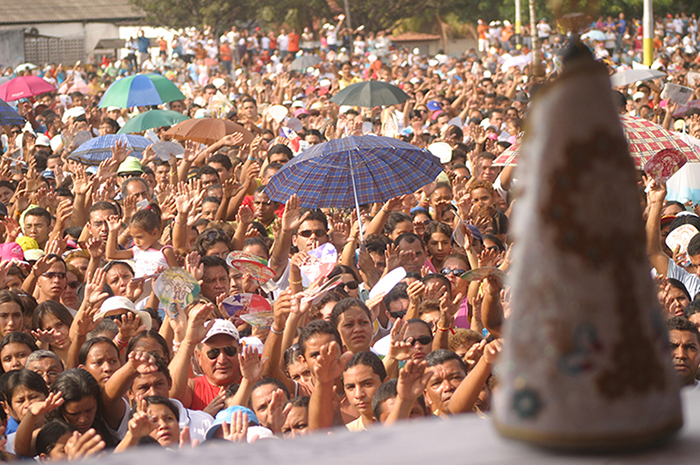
(8, 115)
(97, 150)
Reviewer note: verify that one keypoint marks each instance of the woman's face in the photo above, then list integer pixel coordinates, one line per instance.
(102, 361)
(167, 431)
(420, 335)
(10, 318)
(355, 329)
(51, 321)
(70, 297)
(81, 413)
(22, 398)
(220, 249)
(351, 285)
(59, 449)
(14, 356)
(454, 268)
(439, 246)
(117, 279)
(419, 223)
(81, 263)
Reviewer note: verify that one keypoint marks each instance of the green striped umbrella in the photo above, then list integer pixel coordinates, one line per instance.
(141, 90)
(152, 119)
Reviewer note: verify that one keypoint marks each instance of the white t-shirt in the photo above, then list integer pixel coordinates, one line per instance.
(197, 420)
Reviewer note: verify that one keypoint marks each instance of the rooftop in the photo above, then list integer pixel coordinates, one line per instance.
(63, 11)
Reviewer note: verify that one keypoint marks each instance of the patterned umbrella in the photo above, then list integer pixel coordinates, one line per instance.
(370, 94)
(152, 119)
(354, 170)
(24, 87)
(644, 139)
(141, 90)
(8, 115)
(208, 130)
(96, 150)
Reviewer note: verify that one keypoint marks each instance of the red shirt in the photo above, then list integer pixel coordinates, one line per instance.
(293, 38)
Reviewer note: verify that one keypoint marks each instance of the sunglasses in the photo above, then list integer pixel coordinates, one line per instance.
(456, 272)
(230, 351)
(422, 340)
(351, 285)
(316, 232)
(54, 274)
(74, 284)
(399, 314)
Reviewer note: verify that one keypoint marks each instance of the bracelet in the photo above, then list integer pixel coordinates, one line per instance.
(176, 346)
(294, 282)
(272, 330)
(119, 342)
(440, 328)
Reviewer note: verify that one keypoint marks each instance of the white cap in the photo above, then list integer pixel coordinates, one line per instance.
(222, 327)
(638, 95)
(113, 109)
(298, 104)
(43, 140)
(117, 304)
(72, 112)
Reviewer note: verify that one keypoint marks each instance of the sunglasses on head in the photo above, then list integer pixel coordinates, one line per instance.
(351, 285)
(423, 340)
(456, 272)
(230, 351)
(316, 232)
(398, 314)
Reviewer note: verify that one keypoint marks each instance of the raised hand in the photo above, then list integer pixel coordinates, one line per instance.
(330, 363)
(84, 445)
(252, 365)
(114, 222)
(237, 431)
(292, 217)
(46, 336)
(245, 215)
(129, 326)
(96, 248)
(142, 361)
(141, 425)
(399, 347)
(415, 292)
(492, 351)
(197, 324)
(119, 152)
(391, 255)
(193, 265)
(43, 265)
(52, 402)
(413, 379)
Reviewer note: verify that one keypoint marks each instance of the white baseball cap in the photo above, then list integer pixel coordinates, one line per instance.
(222, 327)
(117, 304)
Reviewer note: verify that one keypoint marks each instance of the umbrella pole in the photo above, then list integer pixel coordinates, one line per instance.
(357, 203)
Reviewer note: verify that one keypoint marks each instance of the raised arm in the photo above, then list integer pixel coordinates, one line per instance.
(291, 219)
(468, 391)
(197, 327)
(658, 259)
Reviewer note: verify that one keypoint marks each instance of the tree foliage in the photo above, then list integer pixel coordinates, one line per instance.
(377, 14)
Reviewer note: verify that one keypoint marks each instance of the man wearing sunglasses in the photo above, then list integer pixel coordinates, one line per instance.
(49, 274)
(306, 232)
(216, 351)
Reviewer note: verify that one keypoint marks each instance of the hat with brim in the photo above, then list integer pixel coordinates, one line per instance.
(226, 415)
(118, 305)
(130, 165)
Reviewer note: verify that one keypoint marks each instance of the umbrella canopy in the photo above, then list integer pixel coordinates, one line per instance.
(24, 87)
(305, 61)
(208, 130)
(376, 168)
(25, 67)
(152, 119)
(594, 35)
(630, 76)
(141, 90)
(98, 149)
(518, 60)
(8, 115)
(644, 140)
(370, 94)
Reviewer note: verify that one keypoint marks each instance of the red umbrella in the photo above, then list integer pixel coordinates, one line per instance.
(644, 140)
(24, 87)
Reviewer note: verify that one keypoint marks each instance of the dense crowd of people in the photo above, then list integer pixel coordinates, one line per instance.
(93, 362)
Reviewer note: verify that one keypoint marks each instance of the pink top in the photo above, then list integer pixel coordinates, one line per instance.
(462, 316)
(147, 262)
